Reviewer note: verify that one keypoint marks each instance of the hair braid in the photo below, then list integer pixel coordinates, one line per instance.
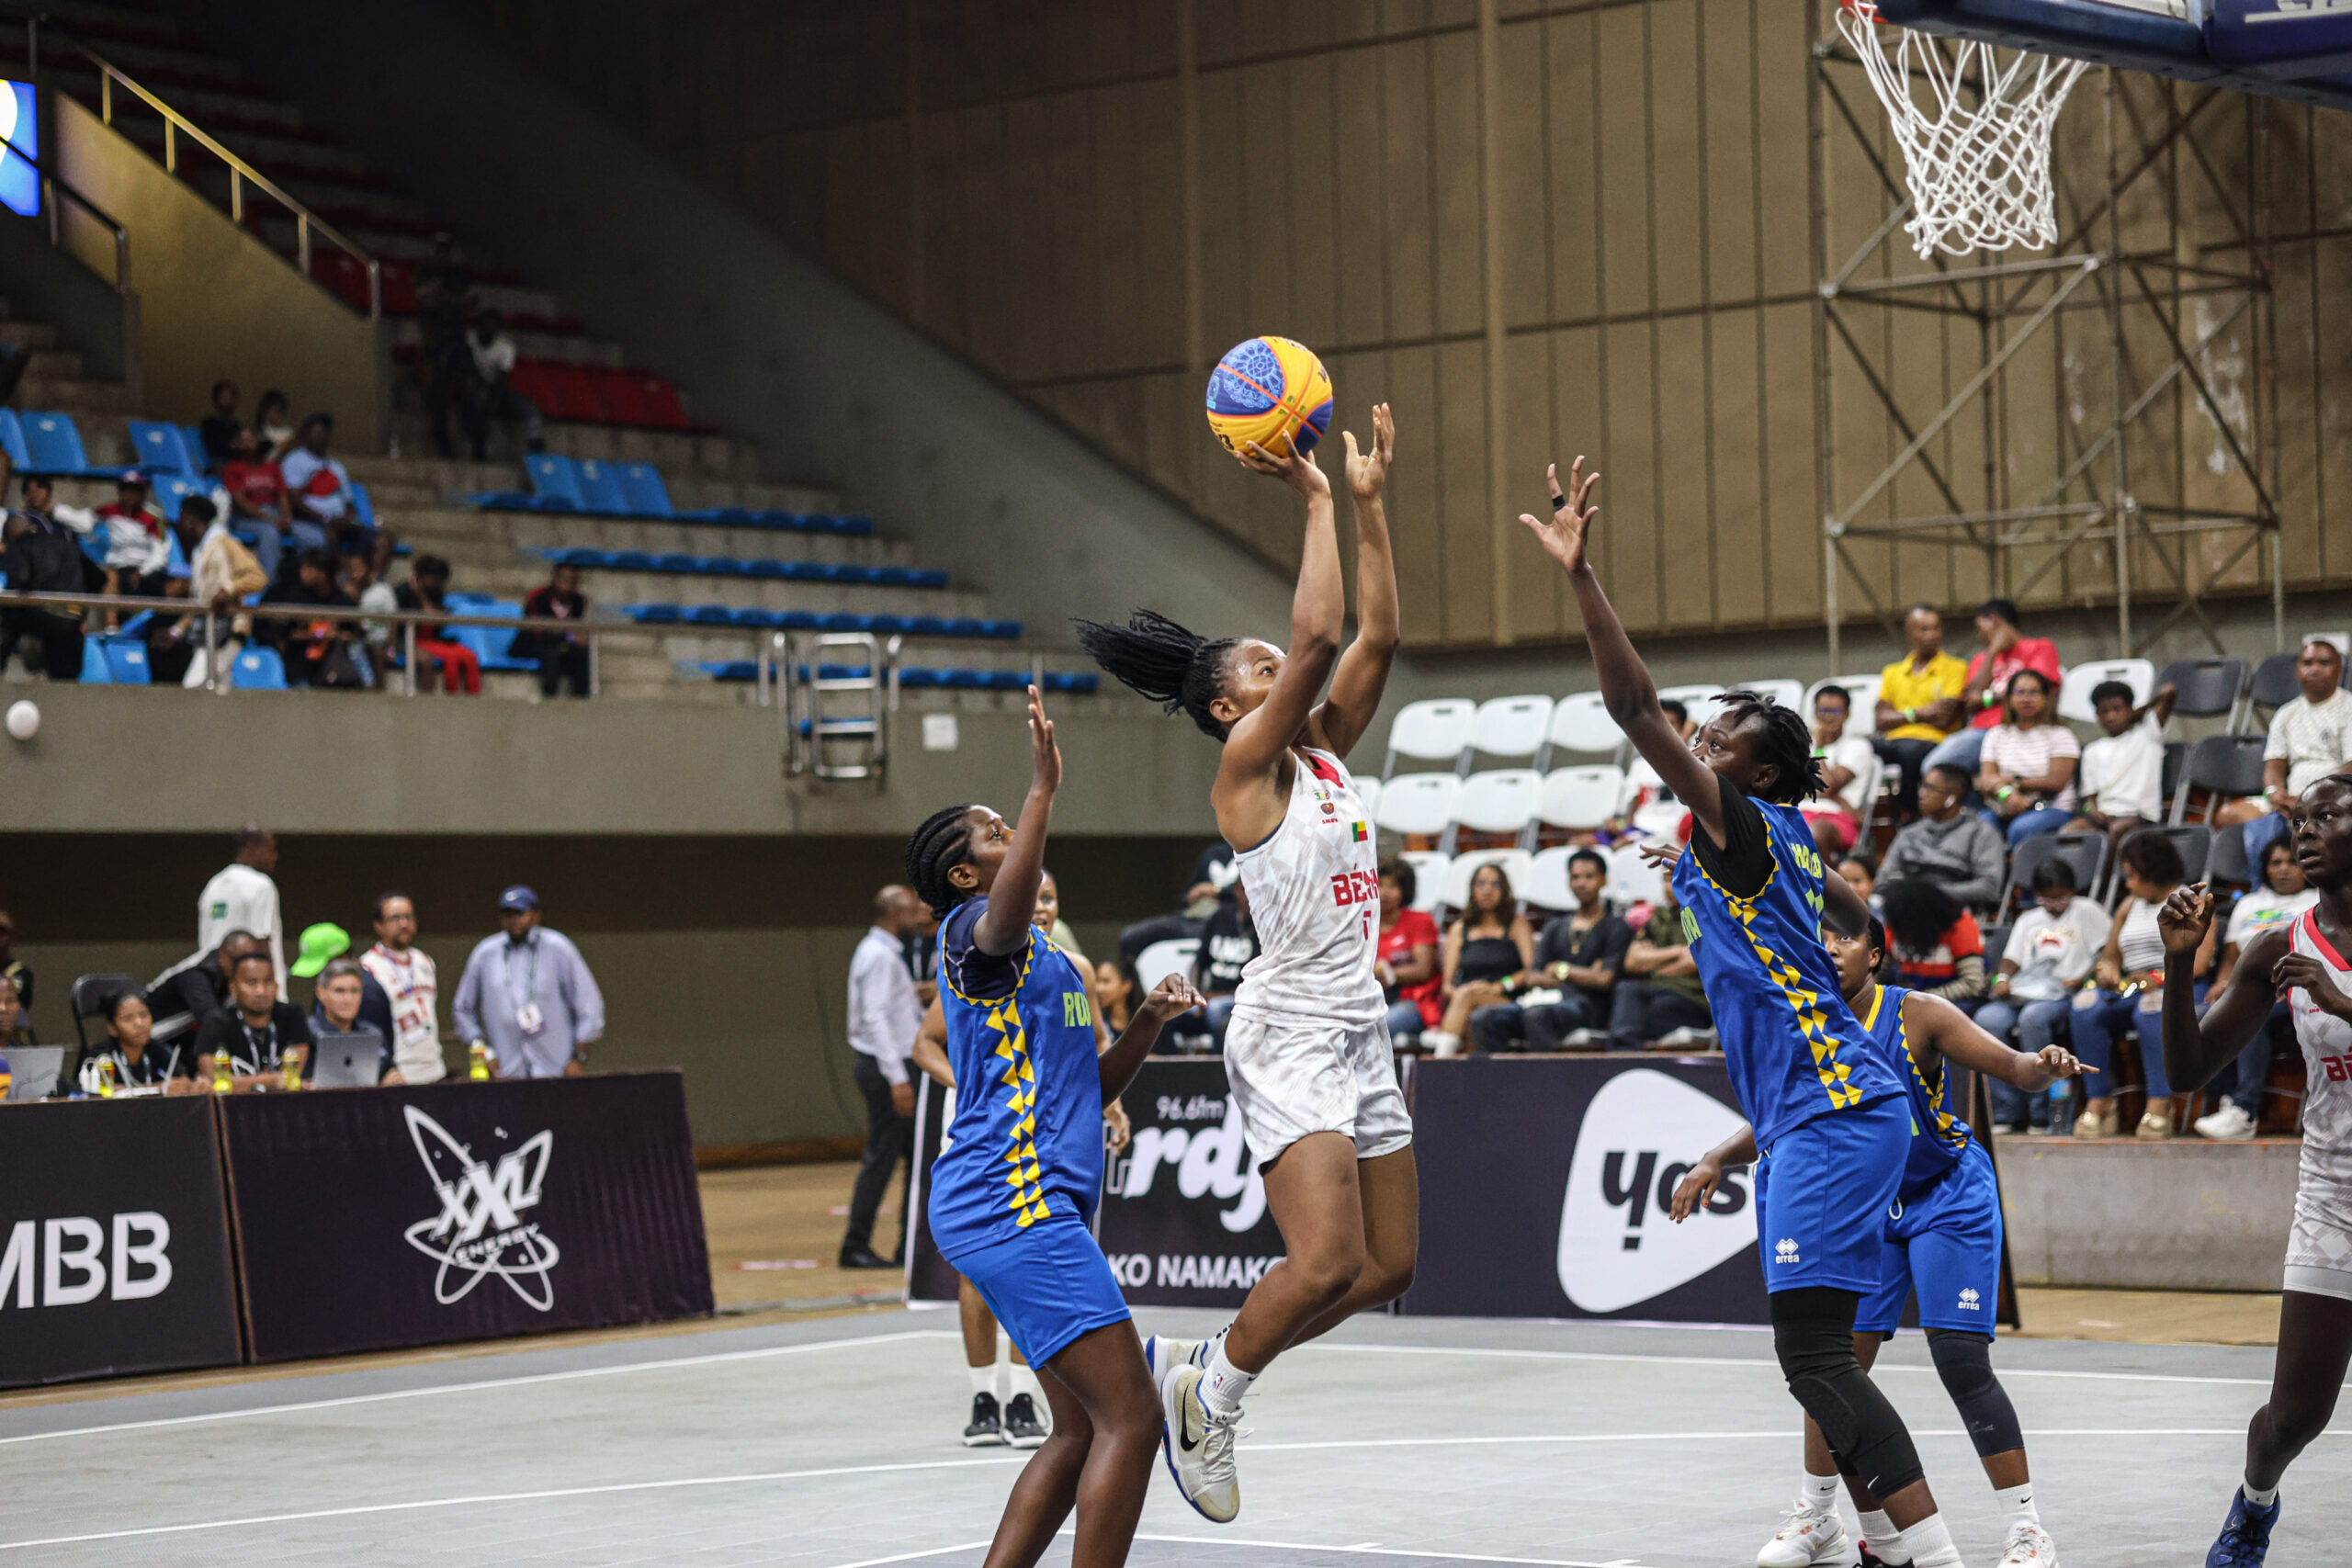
(943, 842)
(1155, 658)
(1785, 743)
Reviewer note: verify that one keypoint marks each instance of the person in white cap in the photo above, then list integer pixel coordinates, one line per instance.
(529, 996)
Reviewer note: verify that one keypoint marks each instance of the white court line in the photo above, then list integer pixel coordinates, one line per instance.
(611, 1488)
(918, 1556)
(1374, 1549)
(1327, 1347)
(669, 1363)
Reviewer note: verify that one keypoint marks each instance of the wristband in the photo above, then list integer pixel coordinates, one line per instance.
(2004, 793)
(1910, 716)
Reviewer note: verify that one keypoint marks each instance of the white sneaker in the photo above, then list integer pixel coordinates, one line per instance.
(1438, 1043)
(1199, 1446)
(2230, 1125)
(1809, 1538)
(2030, 1545)
(1163, 1355)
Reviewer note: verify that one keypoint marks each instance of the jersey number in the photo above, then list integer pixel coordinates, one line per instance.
(2339, 1068)
(1357, 887)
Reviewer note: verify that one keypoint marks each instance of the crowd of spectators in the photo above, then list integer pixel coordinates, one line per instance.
(224, 1020)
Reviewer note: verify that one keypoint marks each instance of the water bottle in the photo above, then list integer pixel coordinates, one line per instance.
(290, 1071)
(221, 1080)
(479, 1057)
(106, 1077)
(2062, 1107)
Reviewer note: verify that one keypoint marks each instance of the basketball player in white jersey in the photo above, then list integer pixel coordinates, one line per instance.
(1308, 1049)
(2302, 964)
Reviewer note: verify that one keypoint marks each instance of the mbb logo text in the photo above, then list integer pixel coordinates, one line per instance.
(72, 1262)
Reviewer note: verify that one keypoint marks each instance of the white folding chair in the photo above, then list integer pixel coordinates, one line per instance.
(1547, 878)
(1632, 879)
(1433, 731)
(1419, 804)
(1161, 959)
(1580, 723)
(1429, 878)
(1514, 863)
(1639, 777)
(1861, 701)
(1502, 801)
(1788, 693)
(1511, 727)
(1579, 799)
(1368, 791)
(2075, 691)
(1700, 700)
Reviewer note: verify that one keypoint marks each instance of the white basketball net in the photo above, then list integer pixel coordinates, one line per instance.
(1977, 151)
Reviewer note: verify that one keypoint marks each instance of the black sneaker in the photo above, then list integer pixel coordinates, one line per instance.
(1021, 1427)
(986, 1431)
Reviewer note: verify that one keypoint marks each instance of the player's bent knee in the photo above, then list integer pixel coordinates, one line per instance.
(1813, 1333)
(1964, 1361)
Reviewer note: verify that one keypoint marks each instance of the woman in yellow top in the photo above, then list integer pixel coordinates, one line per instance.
(1918, 702)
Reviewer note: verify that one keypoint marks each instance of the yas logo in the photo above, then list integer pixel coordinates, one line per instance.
(1785, 1250)
(479, 1231)
(1969, 1300)
(1618, 1246)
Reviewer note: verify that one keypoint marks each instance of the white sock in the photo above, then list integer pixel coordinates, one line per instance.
(1929, 1544)
(2017, 1502)
(1224, 1383)
(1880, 1534)
(1025, 1381)
(2259, 1499)
(984, 1380)
(1818, 1493)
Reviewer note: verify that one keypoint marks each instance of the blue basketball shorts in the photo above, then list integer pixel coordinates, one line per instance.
(1943, 1241)
(1821, 1195)
(1047, 1285)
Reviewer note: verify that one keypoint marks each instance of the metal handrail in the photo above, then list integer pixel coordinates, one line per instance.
(241, 173)
(51, 185)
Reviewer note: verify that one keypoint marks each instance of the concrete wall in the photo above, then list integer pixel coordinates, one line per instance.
(74, 291)
(218, 302)
(2185, 1215)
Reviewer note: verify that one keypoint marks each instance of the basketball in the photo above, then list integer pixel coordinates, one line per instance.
(1269, 390)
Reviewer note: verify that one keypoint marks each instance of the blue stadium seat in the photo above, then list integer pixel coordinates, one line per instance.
(192, 441)
(845, 621)
(855, 523)
(967, 626)
(126, 660)
(847, 571)
(673, 562)
(929, 577)
(494, 646)
(169, 489)
(720, 566)
(470, 604)
(582, 556)
(1087, 680)
(712, 616)
(730, 668)
(95, 669)
(363, 510)
(1000, 629)
(763, 568)
(55, 444)
(775, 517)
(631, 560)
(804, 571)
(656, 614)
(926, 625)
(555, 483)
(12, 441)
(960, 680)
(756, 615)
(915, 677)
(161, 448)
(643, 488)
(258, 669)
(600, 489)
(798, 620)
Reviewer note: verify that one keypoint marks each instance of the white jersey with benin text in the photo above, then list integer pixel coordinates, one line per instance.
(1313, 887)
(2319, 1247)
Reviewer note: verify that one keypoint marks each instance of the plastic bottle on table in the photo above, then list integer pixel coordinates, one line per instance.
(479, 1061)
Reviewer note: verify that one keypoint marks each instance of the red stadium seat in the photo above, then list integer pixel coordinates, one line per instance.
(342, 273)
(660, 401)
(621, 394)
(566, 392)
(400, 288)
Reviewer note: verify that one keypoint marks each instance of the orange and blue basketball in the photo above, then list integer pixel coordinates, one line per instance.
(1272, 391)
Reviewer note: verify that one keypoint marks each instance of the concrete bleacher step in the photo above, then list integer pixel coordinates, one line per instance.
(580, 348)
(687, 461)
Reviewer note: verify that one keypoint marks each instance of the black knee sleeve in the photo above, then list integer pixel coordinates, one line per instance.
(1813, 1332)
(1964, 1361)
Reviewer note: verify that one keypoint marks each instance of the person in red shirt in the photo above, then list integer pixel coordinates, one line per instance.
(1937, 946)
(427, 584)
(1407, 964)
(257, 504)
(562, 656)
(2007, 650)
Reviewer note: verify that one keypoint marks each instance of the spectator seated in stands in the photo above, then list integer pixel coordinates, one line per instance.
(1212, 883)
(371, 593)
(2311, 737)
(327, 650)
(221, 573)
(1228, 941)
(562, 656)
(491, 394)
(1488, 946)
(2049, 954)
(1577, 960)
(2130, 996)
(1837, 812)
(2026, 766)
(1956, 849)
(1658, 1000)
(221, 427)
(1862, 876)
(190, 991)
(2278, 896)
(257, 509)
(129, 1054)
(266, 1040)
(318, 487)
(139, 545)
(1679, 716)
(13, 967)
(14, 1029)
(426, 589)
(2007, 650)
(1407, 958)
(273, 428)
(342, 989)
(1115, 989)
(2123, 771)
(1919, 703)
(1934, 944)
(41, 555)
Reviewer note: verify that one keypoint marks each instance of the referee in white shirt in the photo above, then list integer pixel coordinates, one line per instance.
(884, 1014)
(242, 897)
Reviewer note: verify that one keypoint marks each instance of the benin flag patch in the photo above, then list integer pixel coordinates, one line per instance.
(1360, 834)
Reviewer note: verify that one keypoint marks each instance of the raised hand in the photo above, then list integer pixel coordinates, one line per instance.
(1564, 536)
(2301, 972)
(1298, 469)
(1660, 853)
(1045, 757)
(1367, 472)
(2185, 918)
(1173, 997)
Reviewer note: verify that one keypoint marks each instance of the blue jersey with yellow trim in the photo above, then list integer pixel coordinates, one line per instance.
(1794, 1048)
(1027, 1137)
(1937, 1137)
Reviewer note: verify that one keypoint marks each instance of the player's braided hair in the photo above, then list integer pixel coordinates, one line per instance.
(1158, 658)
(1784, 742)
(1876, 938)
(942, 843)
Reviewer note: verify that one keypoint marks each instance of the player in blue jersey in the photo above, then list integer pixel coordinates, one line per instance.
(1010, 1203)
(1943, 1239)
(1829, 1111)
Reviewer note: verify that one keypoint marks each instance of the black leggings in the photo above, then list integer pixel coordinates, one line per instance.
(2314, 1345)
(1813, 1331)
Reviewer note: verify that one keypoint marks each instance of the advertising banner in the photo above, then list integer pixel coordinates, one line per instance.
(1546, 1185)
(463, 1210)
(114, 1240)
(929, 1279)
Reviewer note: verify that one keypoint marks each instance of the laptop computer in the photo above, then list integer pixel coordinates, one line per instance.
(33, 1070)
(346, 1061)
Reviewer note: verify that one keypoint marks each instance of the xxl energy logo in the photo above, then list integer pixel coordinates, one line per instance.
(1618, 1244)
(480, 1232)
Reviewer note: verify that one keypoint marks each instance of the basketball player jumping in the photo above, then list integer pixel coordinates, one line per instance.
(2301, 963)
(1829, 1113)
(1308, 1049)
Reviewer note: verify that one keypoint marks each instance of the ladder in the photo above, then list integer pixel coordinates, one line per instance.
(835, 690)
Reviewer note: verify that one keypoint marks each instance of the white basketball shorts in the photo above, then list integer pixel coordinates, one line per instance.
(2319, 1247)
(1294, 1076)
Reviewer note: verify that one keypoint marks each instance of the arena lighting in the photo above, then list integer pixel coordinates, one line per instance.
(20, 128)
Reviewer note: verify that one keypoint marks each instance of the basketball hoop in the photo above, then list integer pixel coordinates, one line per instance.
(1976, 152)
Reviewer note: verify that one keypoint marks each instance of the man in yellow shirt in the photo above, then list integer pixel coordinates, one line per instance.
(1918, 702)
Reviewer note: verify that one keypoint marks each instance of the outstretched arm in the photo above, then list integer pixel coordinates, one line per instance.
(1363, 673)
(2195, 1048)
(1117, 1067)
(1254, 748)
(1625, 685)
(1012, 901)
(1955, 1035)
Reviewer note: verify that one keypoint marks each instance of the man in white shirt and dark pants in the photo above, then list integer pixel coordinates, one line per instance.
(883, 1016)
(242, 897)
